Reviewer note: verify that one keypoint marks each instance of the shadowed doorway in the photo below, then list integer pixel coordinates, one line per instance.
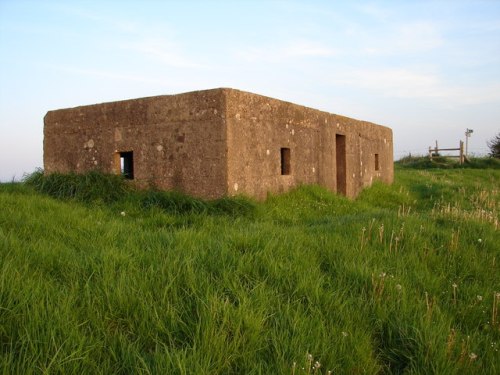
(341, 163)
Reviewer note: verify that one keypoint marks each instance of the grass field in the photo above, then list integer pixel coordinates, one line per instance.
(107, 280)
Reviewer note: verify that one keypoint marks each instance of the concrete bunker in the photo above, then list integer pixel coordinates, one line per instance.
(219, 142)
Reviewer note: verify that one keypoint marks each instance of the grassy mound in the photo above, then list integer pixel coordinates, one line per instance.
(402, 280)
(443, 162)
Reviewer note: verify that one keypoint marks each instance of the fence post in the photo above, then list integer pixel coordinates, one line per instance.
(461, 152)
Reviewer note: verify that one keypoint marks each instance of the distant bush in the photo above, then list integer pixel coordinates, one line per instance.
(494, 146)
(88, 187)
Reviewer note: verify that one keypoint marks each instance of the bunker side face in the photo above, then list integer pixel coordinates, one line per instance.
(219, 142)
(275, 145)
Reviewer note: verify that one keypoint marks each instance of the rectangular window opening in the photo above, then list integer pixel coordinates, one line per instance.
(127, 164)
(377, 165)
(285, 161)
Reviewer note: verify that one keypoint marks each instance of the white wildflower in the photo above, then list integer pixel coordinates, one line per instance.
(472, 356)
(123, 213)
(479, 298)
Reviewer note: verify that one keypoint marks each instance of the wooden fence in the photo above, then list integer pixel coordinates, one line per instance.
(434, 152)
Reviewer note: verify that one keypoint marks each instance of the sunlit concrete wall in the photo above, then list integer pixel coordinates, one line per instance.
(219, 142)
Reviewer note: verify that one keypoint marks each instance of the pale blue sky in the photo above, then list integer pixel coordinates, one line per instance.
(427, 69)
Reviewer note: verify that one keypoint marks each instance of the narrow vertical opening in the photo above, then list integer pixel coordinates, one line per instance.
(127, 164)
(377, 165)
(340, 154)
(285, 161)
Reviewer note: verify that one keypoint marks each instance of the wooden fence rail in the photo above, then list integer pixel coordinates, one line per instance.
(434, 152)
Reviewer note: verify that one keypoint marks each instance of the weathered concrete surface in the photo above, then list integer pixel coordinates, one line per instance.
(219, 142)
(178, 141)
(257, 127)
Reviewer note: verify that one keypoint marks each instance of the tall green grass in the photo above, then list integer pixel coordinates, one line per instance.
(92, 186)
(96, 188)
(401, 280)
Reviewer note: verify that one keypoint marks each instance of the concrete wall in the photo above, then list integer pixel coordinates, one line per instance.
(219, 142)
(374, 140)
(178, 141)
(258, 127)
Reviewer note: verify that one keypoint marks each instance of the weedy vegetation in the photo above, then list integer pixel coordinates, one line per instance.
(98, 278)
